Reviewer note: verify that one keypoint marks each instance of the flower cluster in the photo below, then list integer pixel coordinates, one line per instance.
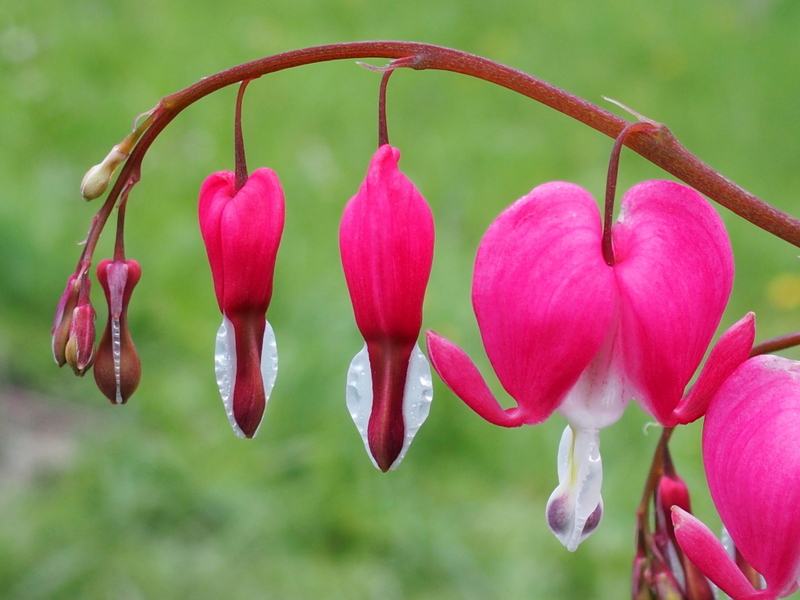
(117, 369)
(386, 241)
(577, 317)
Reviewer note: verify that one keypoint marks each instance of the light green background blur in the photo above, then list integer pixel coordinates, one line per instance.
(158, 499)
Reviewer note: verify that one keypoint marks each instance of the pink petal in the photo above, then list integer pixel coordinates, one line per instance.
(543, 296)
(707, 553)
(674, 273)
(242, 231)
(462, 376)
(752, 460)
(386, 241)
(732, 349)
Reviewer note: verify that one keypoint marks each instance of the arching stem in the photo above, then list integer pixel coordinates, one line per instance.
(611, 184)
(658, 146)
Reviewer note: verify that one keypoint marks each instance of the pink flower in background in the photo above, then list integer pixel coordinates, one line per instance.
(752, 461)
(565, 331)
(386, 241)
(242, 230)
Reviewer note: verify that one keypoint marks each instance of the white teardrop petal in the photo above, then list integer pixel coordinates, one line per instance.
(359, 395)
(225, 367)
(417, 397)
(575, 507)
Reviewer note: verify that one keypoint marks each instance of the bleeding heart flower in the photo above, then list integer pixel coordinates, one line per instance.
(752, 462)
(566, 331)
(117, 368)
(386, 241)
(242, 230)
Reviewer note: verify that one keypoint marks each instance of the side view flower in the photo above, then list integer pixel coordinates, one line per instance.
(242, 230)
(752, 463)
(117, 368)
(566, 331)
(386, 240)
(73, 332)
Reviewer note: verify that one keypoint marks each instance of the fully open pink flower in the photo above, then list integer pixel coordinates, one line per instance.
(386, 241)
(242, 230)
(752, 462)
(565, 331)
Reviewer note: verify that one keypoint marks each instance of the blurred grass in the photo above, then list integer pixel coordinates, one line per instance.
(158, 499)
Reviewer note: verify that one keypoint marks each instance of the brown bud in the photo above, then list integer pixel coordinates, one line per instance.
(117, 368)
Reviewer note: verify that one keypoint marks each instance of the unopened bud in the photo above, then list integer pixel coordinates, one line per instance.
(79, 350)
(117, 368)
(99, 176)
(63, 319)
(666, 588)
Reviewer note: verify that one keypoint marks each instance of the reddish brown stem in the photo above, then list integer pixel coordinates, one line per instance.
(238, 139)
(383, 127)
(658, 146)
(611, 185)
(775, 344)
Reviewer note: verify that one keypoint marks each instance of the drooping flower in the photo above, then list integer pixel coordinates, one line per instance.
(117, 368)
(566, 331)
(386, 241)
(752, 462)
(661, 569)
(242, 230)
(73, 332)
(63, 319)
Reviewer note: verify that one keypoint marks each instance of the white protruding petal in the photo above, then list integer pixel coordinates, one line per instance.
(359, 395)
(602, 392)
(225, 367)
(575, 507)
(417, 397)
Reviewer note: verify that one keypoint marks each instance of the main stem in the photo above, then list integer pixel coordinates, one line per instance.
(658, 146)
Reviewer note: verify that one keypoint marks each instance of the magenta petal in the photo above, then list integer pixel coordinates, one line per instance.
(543, 296)
(674, 271)
(386, 241)
(242, 231)
(707, 554)
(731, 350)
(752, 461)
(462, 376)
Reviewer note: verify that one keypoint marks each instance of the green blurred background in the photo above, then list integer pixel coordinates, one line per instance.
(158, 499)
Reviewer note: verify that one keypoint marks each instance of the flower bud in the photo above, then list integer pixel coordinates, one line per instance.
(79, 350)
(386, 241)
(63, 319)
(117, 368)
(98, 177)
(242, 231)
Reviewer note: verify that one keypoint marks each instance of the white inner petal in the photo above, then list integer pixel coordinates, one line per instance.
(603, 390)
(575, 507)
(417, 397)
(225, 367)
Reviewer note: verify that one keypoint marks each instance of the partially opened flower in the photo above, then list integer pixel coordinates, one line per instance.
(566, 331)
(242, 230)
(117, 368)
(752, 461)
(386, 241)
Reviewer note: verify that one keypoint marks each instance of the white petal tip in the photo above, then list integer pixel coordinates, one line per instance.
(225, 368)
(416, 399)
(575, 507)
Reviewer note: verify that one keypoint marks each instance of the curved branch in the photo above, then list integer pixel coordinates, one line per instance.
(658, 145)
